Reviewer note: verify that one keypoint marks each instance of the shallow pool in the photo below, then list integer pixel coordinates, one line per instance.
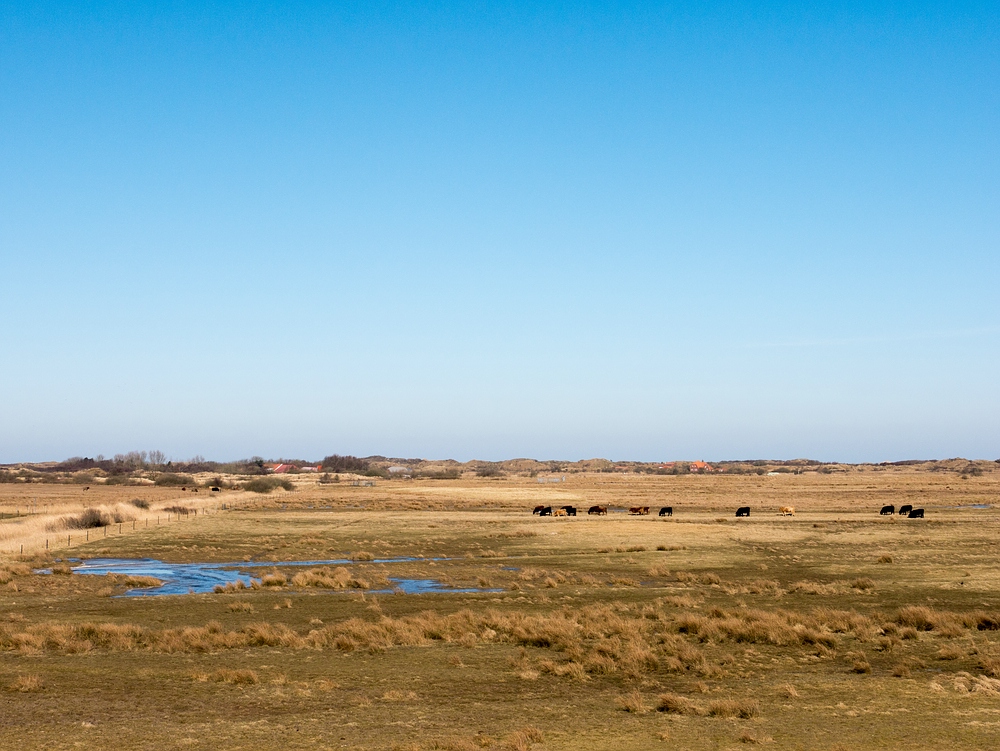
(202, 578)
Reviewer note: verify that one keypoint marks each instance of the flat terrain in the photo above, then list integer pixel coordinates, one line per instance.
(833, 628)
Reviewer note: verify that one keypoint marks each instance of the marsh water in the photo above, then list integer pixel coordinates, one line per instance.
(202, 578)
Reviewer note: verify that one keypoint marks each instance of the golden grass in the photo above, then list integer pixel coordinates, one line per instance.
(774, 612)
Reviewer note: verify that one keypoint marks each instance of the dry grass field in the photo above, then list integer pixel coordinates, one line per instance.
(831, 629)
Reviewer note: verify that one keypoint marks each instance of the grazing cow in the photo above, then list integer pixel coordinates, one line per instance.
(559, 512)
(667, 511)
(546, 511)
(787, 510)
(87, 488)
(915, 513)
(538, 509)
(639, 510)
(904, 510)
(888, 510)
(743, 511)
(597, 511)
(570, 510)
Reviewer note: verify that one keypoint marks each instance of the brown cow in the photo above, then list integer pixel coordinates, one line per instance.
(787, 510)
(639, 510)
(538, 509)
(559, 512)
(597, 511)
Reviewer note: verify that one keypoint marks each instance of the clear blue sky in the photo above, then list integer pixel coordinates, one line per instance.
(487, 230)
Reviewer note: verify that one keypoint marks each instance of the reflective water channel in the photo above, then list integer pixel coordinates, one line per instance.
(202, 578)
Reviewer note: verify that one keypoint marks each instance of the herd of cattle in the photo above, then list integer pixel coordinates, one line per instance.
(597, 511)
(908, 511)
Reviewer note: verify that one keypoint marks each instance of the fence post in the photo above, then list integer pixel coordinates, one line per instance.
(69, 538)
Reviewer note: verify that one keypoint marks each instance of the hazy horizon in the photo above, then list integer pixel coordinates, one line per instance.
(640, 230)
(317, 459)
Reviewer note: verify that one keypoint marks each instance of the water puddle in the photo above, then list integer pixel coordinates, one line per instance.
(202, 578)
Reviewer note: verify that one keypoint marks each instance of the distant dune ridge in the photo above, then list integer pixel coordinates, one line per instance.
(153, 468)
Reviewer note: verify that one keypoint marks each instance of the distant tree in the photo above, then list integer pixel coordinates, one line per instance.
(337, 463)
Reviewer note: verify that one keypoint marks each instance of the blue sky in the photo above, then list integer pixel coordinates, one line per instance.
(471, 230)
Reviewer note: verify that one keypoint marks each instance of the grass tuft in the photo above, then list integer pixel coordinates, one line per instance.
(27, 684)
(676, 704)
(632, 702)
(743, 708)
(238, 677)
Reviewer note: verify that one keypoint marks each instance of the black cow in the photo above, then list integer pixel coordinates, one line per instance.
(903, 510)
(216, 489)
(598, 511)
(743, 511)
(546, 511)
(915, 513)
(667, 511)
(888, 510)
(570, 510)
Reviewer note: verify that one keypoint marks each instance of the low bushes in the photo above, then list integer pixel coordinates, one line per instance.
(95, 517)
(268, 484)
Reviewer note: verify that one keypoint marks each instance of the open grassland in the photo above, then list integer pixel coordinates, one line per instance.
(835, 628)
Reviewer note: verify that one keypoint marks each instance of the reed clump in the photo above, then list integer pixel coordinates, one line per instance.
(329, 578)
(9, 571)
(274, 579)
